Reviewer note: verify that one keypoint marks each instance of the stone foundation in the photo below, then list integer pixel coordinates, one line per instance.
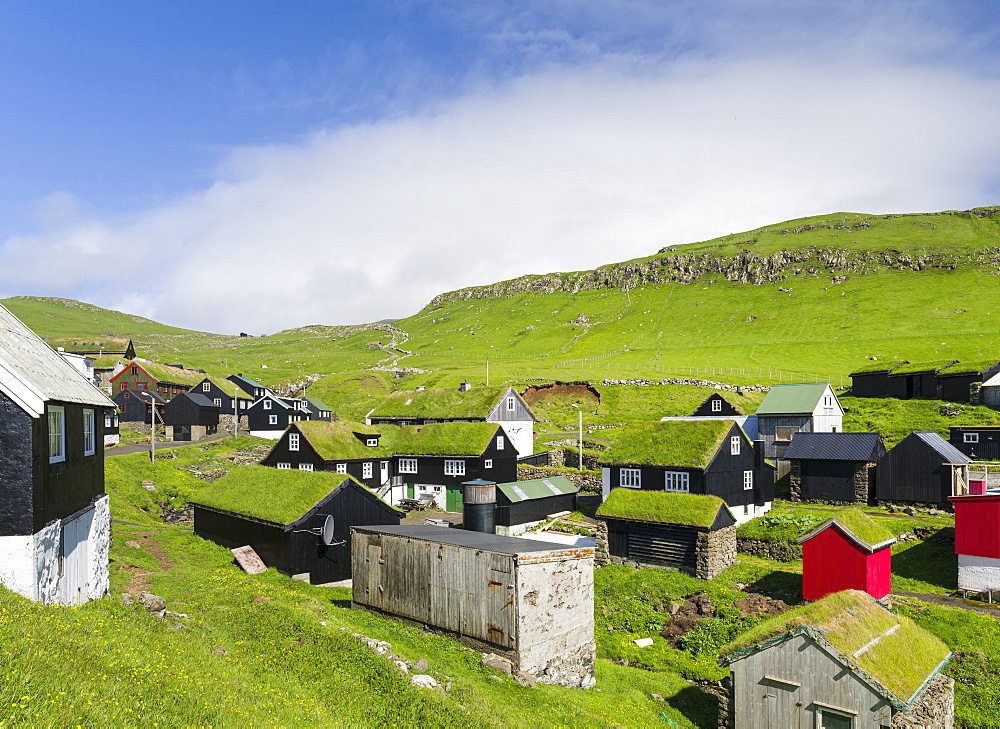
(726, 718)
(716, 551)
(862, 478)
(778, 551)
(601, 554)
(934, 710)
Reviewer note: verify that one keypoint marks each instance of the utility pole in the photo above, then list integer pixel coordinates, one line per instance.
(579, 413)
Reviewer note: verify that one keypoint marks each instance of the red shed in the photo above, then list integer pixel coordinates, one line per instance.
(977, 542)
(847, 552)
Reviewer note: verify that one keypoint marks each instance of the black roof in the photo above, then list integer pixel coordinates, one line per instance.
(946, 450)
(143, 395)
(199, 399)
(835, 447)
(463, 538)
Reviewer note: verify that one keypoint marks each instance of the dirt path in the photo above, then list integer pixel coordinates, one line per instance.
(129, 448)
(147, 543)
(972, 606)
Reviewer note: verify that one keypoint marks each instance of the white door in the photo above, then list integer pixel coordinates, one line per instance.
(385, 473)
(75, 562)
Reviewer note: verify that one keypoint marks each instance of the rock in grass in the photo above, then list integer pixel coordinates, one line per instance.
(422, 680)
(525, 679)
(492, 660)
(153, 603)
(420, 666)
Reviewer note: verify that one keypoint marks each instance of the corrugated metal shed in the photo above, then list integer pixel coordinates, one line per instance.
(792, 399)
(539, 488)
(946, 450)
(32, 373)
(861, 447)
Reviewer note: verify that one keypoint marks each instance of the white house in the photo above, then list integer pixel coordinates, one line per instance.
(789, 409)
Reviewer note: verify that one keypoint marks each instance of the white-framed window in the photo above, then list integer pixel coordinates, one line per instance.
(630, 478)
(372, 442)
(785, 432)
(206, 386)
(89, 432)
(305, 466)
(746, 509)
(488, 463)
(267, 404)
(341, 468)
(734, 445)
(272, 419)
(366, 470)
(283, 466)
(748, 480)
(716, 406)
(676, 481)
(57, 434)
(499, 442)
(970, 437)
(407, 465)
(293, 441)
(510, 403)
(833, 719)
(116, 420)
(107, 421)
(454, 468)
(217, 402)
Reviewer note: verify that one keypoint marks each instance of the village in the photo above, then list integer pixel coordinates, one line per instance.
(443, 510)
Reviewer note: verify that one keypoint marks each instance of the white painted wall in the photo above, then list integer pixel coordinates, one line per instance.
(978, 574)
(99, 582)
(605, 483)
(272, 434)
(752, 512)
(17, 565)
(521, 434)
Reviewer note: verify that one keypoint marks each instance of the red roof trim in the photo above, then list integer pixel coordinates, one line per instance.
(128, 368)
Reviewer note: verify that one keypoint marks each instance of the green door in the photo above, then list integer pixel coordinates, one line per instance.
(409, 490)
(453, 500)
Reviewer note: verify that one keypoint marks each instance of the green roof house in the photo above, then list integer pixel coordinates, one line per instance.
(789, 409)
(502, 405)
(843, 662)
(691, 456)
(522, 505)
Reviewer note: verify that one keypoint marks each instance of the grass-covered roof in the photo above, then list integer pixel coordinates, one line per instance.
(445, 439)
(900, 661)
(883, 366)
(280, 497)
(670, 508)
(972, 367)
(866, 530)
(228, 387)
(672, 443)
(926, 366)
(337, 440)
(444, 403)
(166, 373)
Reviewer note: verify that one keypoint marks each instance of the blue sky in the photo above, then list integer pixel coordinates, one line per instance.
(378, 153)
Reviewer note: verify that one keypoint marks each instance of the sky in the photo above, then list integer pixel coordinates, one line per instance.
(255, 166)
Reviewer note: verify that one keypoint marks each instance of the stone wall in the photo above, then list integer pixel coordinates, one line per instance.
(934, 710)
(778, 551)
(569, 456)
(795, 481)
(587, 482)
(601, 554)
(716, 551)
(142, 429)
(861, 483)
(727, 720)
(689, 382)
(228, 423)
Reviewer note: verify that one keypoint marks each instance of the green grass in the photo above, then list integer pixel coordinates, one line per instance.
(338, 440)
(896, 419)
(692, 509)
(863, 526)
(691, 444)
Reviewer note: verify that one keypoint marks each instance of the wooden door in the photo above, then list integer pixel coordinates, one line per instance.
(75, 562)
(500, 605)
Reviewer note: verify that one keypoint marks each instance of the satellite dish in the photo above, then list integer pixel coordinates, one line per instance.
(327, 534)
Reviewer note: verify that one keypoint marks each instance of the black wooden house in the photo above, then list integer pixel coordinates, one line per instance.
(190, 416)
(112, 433)
(283, 514)
(955, 383)
(318, 410)
(225, 395)
(838, 467)
(270, 415)
(251, 387)
(712, 457)
(343, 447)
(137, 407)
(55, 519)
(717, 405)
(873, 380)
(978, 442)
(522, 505)
(923, 468)
(918, 380)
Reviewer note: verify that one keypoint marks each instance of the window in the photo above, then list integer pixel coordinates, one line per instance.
(341, 468)
(746, 509)
(488, 463)
(734, 445)
(107, 421)
(272, 419)
(407, 465)
(218, 402)
(366, 470)
(748, 480)
(89, 432)
(283, 466)
(510, 403)
(175, 390)
(116, 420)
(293, 441)
(232, 403)
(122, 387)
(716, 406)
(305, 466)
(630, 478)
(57, 434)
(676, 481)
(267, 404)
(142, 386)
(785, 432)
(835, 720)
(135, 370)
(970, 437)
(454, 468)
(372, 442)
(206, 387)
(499, 442)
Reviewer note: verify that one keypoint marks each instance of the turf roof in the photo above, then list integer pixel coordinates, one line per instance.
(444, 403)
(337, 440)
(446, 439)
(688, 443)
(927, 366)
(165, 373)
(280, 497)
(792, 399)
(873, 367)
(670, 508)
(851, 620)
(972, 367)
(857, 523)
(226, 386)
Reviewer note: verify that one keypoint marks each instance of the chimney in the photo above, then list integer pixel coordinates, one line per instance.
(335, 417)
(420, 388)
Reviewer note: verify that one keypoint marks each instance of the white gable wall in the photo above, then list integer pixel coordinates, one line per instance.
(828, 418)
(521, 434)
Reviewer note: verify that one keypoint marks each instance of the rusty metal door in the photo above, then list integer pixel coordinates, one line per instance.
(500, 602)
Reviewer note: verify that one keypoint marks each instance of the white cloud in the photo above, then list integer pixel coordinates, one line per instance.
(561, 170)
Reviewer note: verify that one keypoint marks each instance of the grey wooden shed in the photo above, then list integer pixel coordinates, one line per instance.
(531, 602)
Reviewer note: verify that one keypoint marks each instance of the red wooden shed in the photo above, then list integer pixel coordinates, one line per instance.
(847, 552)
(977, 542)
